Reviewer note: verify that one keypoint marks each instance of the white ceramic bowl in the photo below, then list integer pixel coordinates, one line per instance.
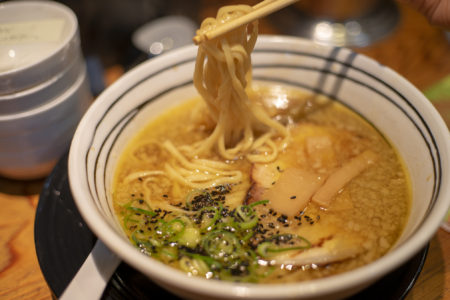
(386, 99)
(33, 140)
(40, 39)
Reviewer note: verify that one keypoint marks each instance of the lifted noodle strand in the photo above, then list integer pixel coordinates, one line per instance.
(243, 128)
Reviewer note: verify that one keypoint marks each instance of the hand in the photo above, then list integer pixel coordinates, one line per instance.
(437, 11)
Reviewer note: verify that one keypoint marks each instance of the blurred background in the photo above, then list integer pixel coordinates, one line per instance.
(389, 31)
(116, 35)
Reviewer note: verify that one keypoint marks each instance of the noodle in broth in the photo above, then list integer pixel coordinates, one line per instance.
(251, 193)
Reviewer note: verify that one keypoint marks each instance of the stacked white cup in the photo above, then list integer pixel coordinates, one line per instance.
(44, 89)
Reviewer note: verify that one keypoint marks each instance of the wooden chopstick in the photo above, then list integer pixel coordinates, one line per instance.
(260, 10)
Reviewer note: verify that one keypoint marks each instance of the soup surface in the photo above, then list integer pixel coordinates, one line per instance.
(336, 197)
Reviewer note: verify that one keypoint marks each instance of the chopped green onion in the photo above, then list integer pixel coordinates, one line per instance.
(193, 266)
(207, 223)
(211, 239)
(142, 211)
(259, 203)
(262, 248)
(300, 243)
(171, 253)
(212, 263)
(221, 244)
(190, 237)
(127, 219)
(139, 242)
(173, 229)
(139, 205)
(246, 217)
(247, 235)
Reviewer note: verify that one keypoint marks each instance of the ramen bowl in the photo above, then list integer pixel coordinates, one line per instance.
(399, 111)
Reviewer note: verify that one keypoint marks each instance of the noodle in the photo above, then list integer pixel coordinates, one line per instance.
(222, 70)
(222, 73)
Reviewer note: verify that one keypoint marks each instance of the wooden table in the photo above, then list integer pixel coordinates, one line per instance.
(416, 50)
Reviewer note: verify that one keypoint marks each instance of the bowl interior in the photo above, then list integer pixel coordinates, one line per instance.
(386, 100)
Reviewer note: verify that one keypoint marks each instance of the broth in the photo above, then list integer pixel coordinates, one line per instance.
(293, 219)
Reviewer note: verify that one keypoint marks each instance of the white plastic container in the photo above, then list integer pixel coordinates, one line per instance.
(44, 90)
(42, 93)
(32, 141)
(38, 40)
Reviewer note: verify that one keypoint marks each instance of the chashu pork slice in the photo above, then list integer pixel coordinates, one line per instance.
(331, 249)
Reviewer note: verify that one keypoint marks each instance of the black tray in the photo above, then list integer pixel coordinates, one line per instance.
(63, 241)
